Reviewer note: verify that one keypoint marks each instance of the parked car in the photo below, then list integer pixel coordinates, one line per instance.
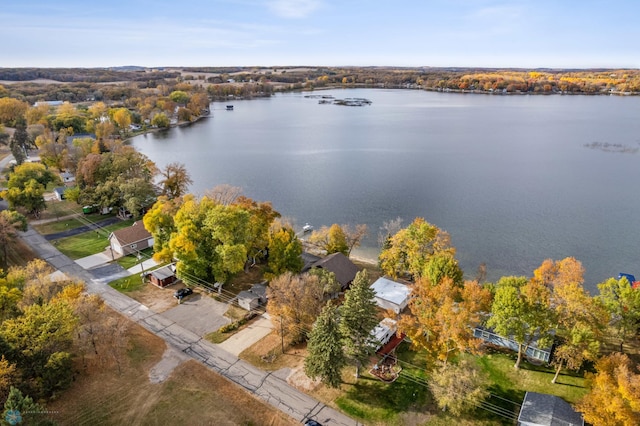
(183, 292)
(310, 422)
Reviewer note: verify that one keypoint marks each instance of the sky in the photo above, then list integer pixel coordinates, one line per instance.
(439, 33)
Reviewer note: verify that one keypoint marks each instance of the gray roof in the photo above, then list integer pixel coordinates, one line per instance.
(308, 259)
(548, 410)
(163, 273)
(344, 269)
(244, 294)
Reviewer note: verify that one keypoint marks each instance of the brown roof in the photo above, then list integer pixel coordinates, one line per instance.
(344, 269)
(133, 234)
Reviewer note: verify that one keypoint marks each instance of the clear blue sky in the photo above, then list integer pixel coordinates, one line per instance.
(483, 33)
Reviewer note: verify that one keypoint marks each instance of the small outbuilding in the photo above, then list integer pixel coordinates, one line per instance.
(59, 193)
(130, 240)
(391, 294)
(163, 277)
(248, 300)
(539, 409)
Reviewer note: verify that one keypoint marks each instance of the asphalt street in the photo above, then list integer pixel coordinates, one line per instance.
(268, 386)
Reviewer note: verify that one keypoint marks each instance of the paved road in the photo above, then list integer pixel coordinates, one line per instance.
(83, 229)
(268, 386)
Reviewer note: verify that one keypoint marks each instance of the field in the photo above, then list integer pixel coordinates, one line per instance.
(190, 395)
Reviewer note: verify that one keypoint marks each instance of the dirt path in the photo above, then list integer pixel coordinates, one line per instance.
(163, 369)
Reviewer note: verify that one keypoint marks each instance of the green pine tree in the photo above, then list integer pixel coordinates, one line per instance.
(326, 356)
(358, 318)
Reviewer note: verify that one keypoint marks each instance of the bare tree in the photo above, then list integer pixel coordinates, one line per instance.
(388, 229)
(224, 194)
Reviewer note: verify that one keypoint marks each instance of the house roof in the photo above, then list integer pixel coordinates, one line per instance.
(244, 294)
(163, 273)
(308, 259)
(132, 234)
(390, 290)
(60, 190)
(344, 269)
(548, 410)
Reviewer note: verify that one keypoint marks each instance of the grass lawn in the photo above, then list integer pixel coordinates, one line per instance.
(512, 384)
(88, 243)
(128, 284)
(131, 260)
(66, 224)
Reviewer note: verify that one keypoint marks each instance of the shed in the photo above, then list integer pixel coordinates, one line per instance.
(344, 269)
(130, 240)
(59, 192)
(391, 294)
(248, 300)
(163, 277)
(260, 290)
(539, 409)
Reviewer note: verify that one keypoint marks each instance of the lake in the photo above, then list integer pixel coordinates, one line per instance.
(511, 178)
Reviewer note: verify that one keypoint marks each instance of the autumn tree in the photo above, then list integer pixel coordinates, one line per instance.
(581, 319)
(295, 301)
(176, 180)
(8, 377)
(326, 358)
(623, 304)
(179, 97)
(330, 284)
(12, 111)
(26, 187)
(10, 223)
(159, 221)
(410, 249)
(522, 311)
(160, 120)
(459, 388)
(358, 318)
(443, 317)
(442, 265)
(122, 118)
(285, 252)
(20, 143)
(331, 239)
(614, 398)
(67, 116)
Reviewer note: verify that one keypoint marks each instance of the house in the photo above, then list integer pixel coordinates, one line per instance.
(539, 409)
(308, 260)
(68, 178)
(532, 352)
(130, 240)
(254, 297)
(344, 269)
(391, 294)
(59, 192)
(163, 277)
(49, 103)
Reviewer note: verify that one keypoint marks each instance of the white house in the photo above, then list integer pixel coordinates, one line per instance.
(391, 294)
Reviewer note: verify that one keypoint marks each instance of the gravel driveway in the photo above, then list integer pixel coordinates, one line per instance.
(199, 314)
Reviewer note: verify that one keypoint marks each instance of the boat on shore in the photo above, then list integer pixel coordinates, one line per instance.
(307, 228)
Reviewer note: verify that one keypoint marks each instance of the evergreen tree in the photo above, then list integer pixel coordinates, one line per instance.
(326, 356)
(358, 319)
(20, 409)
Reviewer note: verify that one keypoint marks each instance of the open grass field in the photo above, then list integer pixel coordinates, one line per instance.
(88, 243)
(191, 395)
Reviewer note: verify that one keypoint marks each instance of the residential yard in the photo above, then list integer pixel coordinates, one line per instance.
(66, 224)
(192, 394)
(88, 243)
(155, 298)
(407, 401)
(131, 260)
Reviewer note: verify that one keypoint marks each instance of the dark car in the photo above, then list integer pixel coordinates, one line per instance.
(183, 292)
(311, 423)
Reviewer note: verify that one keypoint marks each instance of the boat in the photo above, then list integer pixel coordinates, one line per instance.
(229, 107)
(307, 227)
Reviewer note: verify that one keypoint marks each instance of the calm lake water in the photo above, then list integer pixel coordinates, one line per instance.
(509, 177)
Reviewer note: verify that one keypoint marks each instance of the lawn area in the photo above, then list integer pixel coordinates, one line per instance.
(191, 395)
(512, 384)
(66, 224)
(131, 260)
(88, 243)
(128, 284)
